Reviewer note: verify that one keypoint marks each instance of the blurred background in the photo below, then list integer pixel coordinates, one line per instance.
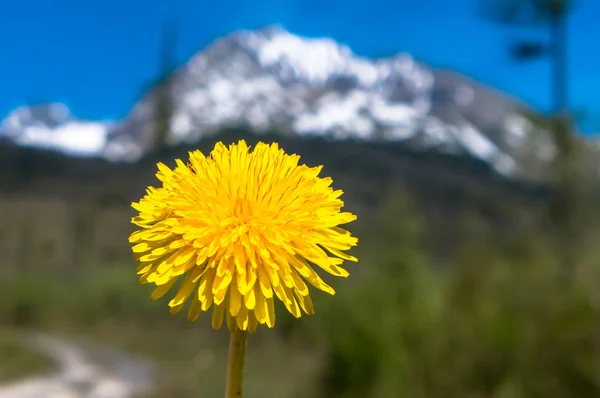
(462, 133)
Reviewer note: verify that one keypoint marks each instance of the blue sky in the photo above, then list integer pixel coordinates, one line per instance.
(96, 55)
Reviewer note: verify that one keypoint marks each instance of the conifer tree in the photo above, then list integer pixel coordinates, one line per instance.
(553, 16)
(163, 100)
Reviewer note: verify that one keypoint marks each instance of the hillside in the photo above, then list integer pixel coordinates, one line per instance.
(66, 205)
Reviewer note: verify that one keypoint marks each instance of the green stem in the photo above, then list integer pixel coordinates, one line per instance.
(235, 368)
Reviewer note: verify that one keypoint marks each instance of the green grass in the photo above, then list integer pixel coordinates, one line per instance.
(18, 361)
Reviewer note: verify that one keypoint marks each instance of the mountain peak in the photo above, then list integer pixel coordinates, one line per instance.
(317, 61)
(313, 60)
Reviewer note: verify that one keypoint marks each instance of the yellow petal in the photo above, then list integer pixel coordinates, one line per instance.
(218, 315)
(242, 318)
(260, 309)
(235, 300)
(185, 290)
(205, 295)
(161, 290)
(195, 310)
(250, 299)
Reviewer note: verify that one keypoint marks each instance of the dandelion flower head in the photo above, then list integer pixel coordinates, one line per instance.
(240, 228)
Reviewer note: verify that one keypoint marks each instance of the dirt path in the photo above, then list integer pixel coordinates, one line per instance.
(112, 375)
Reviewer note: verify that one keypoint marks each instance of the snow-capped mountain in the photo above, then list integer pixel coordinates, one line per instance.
(272, 80)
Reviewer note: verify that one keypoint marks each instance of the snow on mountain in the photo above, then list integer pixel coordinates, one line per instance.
(272, 80)
(52, 126)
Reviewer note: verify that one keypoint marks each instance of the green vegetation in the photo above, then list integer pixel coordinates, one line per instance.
(496, 319)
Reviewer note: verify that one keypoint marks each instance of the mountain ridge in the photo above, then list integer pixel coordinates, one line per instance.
(272, 80)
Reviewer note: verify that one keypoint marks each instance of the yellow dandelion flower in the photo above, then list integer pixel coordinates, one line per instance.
(240, 228)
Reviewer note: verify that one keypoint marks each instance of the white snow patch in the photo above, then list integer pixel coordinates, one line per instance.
(82, 138)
